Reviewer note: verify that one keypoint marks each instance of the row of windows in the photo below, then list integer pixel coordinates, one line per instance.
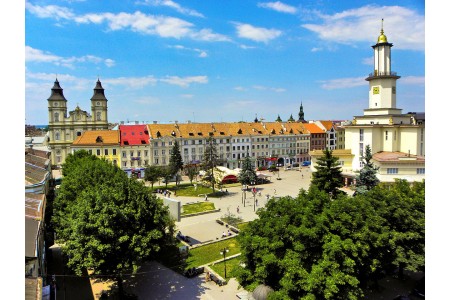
(98, 116)
(138, 153)
(395, 170)
(105, 152)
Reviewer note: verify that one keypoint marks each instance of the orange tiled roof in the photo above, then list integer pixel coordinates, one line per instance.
(327, 124)
(98, 137)
(313, 128)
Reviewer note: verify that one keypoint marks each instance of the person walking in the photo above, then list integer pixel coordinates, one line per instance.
(206, 197)
(237, 209)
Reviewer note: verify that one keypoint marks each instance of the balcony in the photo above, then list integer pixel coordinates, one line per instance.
(377, 74)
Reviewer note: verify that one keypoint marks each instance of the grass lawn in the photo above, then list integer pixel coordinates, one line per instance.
(197, 207)
(241, 226)
(231, 264)
(211, 252)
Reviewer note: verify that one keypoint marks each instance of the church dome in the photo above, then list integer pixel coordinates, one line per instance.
(382, 38)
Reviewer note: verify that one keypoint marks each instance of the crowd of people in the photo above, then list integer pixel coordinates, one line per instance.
(165, 193)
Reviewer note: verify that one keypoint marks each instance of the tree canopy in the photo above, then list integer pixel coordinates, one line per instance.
(328, 174)
(210, 160)
(106, 221)
(175, 160)
(314, 247)
(367, 178)
(247, 175)
(153, 174)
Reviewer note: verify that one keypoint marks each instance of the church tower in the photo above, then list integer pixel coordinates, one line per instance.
(382, 82)
(57, 105)
(301, 115)
(99, 105)
(57, 113)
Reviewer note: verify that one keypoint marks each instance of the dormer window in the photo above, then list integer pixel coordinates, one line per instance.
(222, 133)
(99, 139)
(199, 133)
(191, 133)
(158, 134)
(173, 133)
(239, 131)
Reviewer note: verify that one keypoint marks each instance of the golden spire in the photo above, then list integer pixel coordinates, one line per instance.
(382, 38)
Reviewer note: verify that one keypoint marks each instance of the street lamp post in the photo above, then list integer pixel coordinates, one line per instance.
(224, 253)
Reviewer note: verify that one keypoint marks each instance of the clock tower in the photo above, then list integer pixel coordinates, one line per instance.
(382, 82)
(99, 105)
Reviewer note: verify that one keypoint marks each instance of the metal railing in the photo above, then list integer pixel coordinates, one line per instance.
(376, 73)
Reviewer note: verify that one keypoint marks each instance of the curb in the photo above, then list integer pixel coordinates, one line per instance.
(201, 213)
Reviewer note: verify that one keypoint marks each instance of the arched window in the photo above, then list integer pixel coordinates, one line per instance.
(56, 119)
(57, 136)
(99, 116)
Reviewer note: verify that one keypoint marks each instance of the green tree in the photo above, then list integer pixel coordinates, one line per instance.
(175, 161)
(210, 160)
(107, 222)
(247, 175)
(166, 174)
(191, 172)
(152, 174)
(367, 177)
(328, 174)
(402, 205)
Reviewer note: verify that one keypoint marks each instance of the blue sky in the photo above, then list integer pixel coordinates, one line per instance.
(213, 61)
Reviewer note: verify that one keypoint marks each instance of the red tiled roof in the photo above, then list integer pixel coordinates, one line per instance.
(386, 156)
(133, 135)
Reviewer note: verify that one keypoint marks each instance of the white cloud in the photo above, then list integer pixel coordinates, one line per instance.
(184, 81)
(163, 26)
(132, 82)
(245, 47)
(316, 49)
(342, 83)
(413, 80)
(240, 88)
(278, 6)
(257, 34)
(128, 82)
(201, 53)
(36, 55)
(50, 11)
(174, 5)
(266, 88)
(402, 26)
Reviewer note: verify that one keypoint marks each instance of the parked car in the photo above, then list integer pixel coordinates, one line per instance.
(296, 165)
(306, 163)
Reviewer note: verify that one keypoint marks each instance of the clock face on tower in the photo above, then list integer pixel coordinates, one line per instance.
(98, 103)
(55, 104)
(376, 90)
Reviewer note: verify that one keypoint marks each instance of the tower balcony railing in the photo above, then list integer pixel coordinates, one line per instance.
(377, 73)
